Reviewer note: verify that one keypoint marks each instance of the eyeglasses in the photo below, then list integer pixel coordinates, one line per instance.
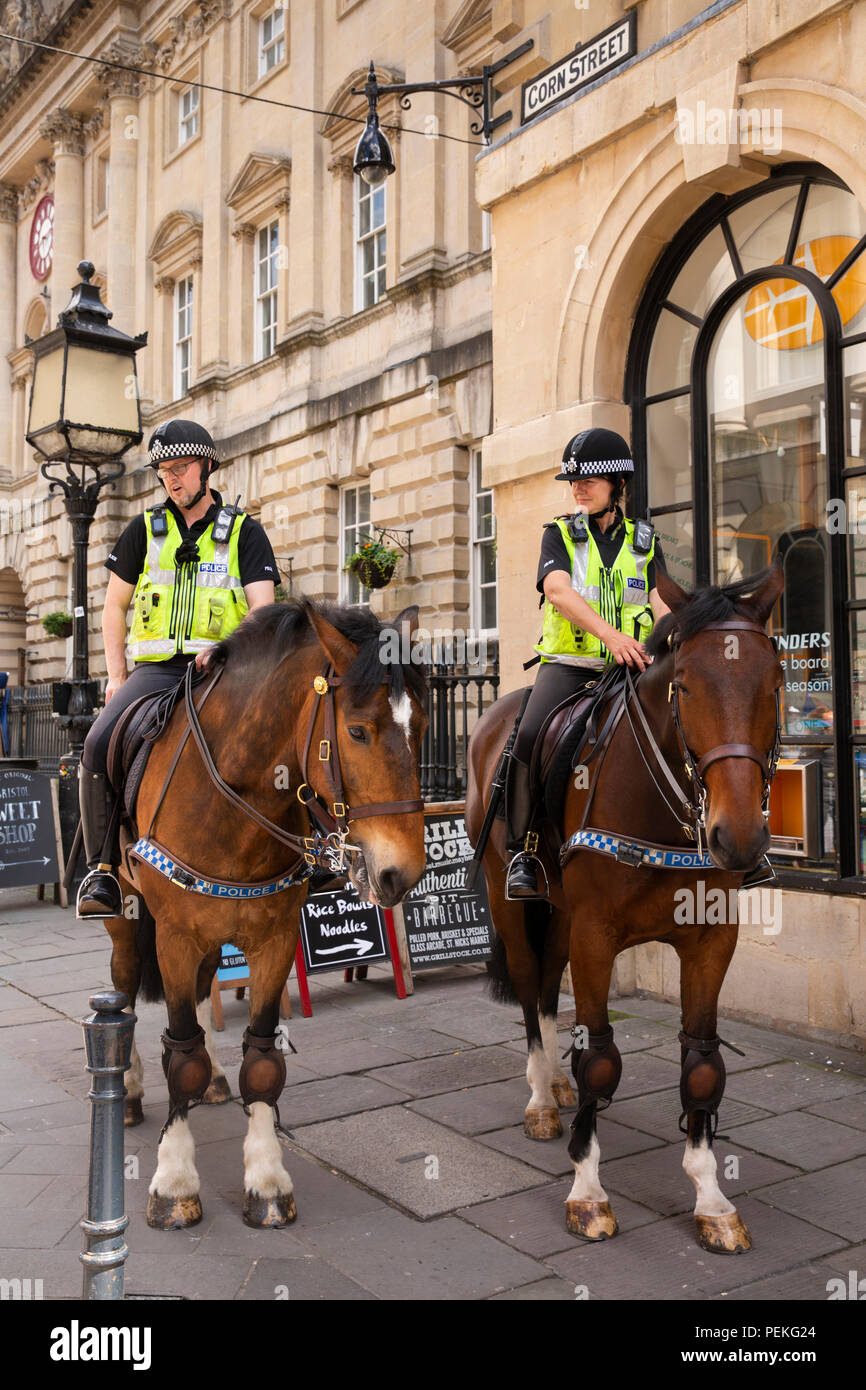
(176, 472)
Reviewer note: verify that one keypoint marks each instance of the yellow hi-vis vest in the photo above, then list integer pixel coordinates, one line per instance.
(184, 609)
(619, 595)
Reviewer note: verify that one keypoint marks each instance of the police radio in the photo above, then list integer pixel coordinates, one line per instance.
(225, 520)
(158, 521)
(643, 536)
(576, 527)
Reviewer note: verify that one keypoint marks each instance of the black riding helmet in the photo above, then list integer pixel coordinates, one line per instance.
(178, 439)
(597, 453)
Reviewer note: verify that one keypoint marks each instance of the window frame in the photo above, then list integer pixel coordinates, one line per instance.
(263, 49)
(178, 342)
(270, 296)
(360, 190)
(183, 139)
(349, 585)
(477, 544)
(715, 213)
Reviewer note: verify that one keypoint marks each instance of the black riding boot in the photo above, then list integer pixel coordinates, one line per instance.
(100, 893)
(522, 880)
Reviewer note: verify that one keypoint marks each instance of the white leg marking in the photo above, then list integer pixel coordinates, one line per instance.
(699, 1162)
(176, 1174)
(551, 1048)
(402, 711)
(133, 1078)
(205, 1018)
(539, 1074)
(586, 1186)
(264, 1174)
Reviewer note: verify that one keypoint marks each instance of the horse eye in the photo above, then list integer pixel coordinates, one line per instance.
(357, 733)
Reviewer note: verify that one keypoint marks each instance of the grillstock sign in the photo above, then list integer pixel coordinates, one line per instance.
(588, 62)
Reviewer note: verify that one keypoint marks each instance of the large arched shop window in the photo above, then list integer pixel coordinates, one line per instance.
(747, 382)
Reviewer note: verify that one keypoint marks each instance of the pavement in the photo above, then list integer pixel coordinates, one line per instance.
(412, 1175)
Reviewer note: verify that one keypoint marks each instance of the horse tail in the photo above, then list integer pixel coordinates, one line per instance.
(151, 988)
(536, 914)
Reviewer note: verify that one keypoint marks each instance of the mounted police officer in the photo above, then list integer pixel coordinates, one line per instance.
(597, 575)
(192, 568)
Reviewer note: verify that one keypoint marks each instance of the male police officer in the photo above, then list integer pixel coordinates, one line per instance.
(192, 568)
(597, 574)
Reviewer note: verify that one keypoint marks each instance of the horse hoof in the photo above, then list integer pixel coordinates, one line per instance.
(563, 1094)
(542, 1124)
(269, 1212)
(132, 1111)
(173, 1213)
(217, 1093)
(590, 1220)
(723, 1235)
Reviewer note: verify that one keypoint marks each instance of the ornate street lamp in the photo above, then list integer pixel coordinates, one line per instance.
(373, 158)
(84, 415)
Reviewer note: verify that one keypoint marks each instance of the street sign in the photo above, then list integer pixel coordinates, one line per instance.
(28, 828)
(339, 929)
(445, 924)
(588, 62)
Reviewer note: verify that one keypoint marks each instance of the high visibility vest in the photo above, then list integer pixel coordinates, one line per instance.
(619, 595)
(187, 608)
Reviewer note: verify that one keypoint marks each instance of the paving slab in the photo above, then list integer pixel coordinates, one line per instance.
(664, 1261)
(659, 1114)
(551, 1155)
(391, 1152)
(302, 1279)
(481, 1025)
(417, 1041)
(332, 1096)
(534, 1222)
(790, 1086)
(848, 1110)
(434, 1075)
(658, 1180)
(59, 1115)
(27, 1227)
(807, 1283)
(353, 1055)
(804, 1140)
(851, 1257)
(445, 1260)
(643, 1074)
(547, 1291)
(17, 1189)
(60, 1271)
(831, 1198)
(50, 1158)
(478, 1108)
(27, 1013)
(176, 1273)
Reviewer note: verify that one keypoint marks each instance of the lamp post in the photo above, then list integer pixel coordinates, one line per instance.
(84, 415)
(373, 158)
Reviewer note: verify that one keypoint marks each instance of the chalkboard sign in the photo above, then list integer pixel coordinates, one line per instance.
(28, 828)
(339, 929)
(445, 923)
(233, 964)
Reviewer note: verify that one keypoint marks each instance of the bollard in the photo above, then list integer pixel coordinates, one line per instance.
(108, 1043)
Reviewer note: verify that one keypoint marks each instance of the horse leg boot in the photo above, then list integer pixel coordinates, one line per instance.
(268, 1199)
(720, 1228)
(597, 1067)
(100, 894)
(173, 1201)
(522, 879)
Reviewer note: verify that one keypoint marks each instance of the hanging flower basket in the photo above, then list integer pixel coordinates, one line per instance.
(373, 564)
(58, 624)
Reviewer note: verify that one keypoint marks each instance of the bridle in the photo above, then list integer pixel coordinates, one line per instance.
(693, 822)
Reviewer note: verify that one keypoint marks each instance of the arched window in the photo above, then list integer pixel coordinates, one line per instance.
(747, 383)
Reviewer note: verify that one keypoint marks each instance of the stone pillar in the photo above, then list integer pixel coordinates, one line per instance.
(8, 310)
(65, 131)
(306, 241)
(122, 91)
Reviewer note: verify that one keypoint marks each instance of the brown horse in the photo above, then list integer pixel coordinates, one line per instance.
(308, 700)
(710, 703)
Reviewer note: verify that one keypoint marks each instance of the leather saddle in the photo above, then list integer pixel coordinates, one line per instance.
(569, 725)
(136, 731)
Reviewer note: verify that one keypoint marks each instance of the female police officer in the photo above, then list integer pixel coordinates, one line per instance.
(597, 574)
(192, 569)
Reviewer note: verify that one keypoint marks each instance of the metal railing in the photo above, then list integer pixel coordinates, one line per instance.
(458, 696)
(33, 731)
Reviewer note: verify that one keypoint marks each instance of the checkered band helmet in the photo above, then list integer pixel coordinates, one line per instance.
(595, 452)
(180, 439)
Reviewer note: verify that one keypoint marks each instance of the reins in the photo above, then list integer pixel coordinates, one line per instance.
(325, 847)
(692, 799)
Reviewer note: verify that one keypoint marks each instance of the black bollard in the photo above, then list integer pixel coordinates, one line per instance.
(108, 1044)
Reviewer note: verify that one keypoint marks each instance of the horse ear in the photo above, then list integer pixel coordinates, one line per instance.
(406, 623)
(338, 648)
(670, 591)
(763, 600)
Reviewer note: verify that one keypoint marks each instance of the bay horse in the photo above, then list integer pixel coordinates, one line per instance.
(305, 706)
(709, 703)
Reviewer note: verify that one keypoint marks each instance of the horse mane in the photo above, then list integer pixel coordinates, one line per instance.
(711, 604)
(278, 629)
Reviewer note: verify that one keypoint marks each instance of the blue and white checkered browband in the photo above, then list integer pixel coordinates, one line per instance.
(636, 854)
(150, 853)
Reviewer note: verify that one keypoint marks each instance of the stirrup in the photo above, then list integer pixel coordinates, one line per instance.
(524, 859)
(103, 872)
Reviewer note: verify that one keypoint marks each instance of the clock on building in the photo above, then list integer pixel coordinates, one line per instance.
(42, 238)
